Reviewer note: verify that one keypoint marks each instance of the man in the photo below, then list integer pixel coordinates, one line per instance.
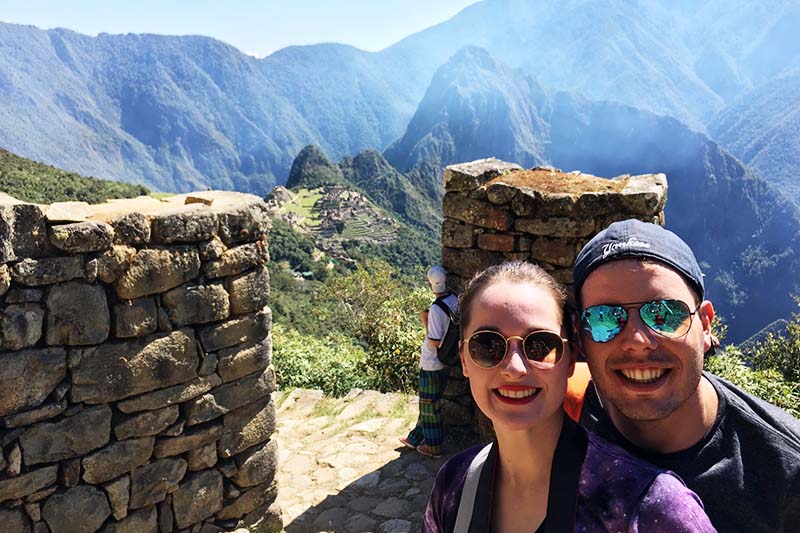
(428, 434)
(644, 329)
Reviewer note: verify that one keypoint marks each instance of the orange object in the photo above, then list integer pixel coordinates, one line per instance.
(576, 389)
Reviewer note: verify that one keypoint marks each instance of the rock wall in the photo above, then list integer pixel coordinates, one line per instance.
(136, 365)
(495, 211)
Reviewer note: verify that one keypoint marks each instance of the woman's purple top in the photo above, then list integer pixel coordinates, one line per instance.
(610, 491)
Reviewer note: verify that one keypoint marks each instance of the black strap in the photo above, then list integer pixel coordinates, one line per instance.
(562, 498)
(439, 302)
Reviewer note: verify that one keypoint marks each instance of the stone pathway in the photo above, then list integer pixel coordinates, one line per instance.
(341, 467)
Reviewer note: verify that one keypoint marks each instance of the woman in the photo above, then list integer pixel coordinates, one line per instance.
(543, 472)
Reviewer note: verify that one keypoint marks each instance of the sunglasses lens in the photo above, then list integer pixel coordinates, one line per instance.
(670, 318)
(543, 347)
(487, 348)
(603, 322)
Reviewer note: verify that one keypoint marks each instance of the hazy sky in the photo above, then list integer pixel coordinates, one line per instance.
(254, 27)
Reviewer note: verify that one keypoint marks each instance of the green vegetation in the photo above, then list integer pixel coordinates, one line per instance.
(304, 205)
(30, 181)
(779, 352)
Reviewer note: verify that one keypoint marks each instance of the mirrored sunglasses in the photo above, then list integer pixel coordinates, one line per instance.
(488, 348)
(668, 318)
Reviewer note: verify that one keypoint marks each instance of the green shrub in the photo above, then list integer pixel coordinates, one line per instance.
(332, 363)
(767, 384)
(779, 352)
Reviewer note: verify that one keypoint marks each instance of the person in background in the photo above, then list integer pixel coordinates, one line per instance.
(428, 434)
(644, 329)
(543, 472)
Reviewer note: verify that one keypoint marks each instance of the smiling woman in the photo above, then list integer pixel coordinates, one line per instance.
(543, 472)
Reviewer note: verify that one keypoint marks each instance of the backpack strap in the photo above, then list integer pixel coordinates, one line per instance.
(466, 505)
(439, 302)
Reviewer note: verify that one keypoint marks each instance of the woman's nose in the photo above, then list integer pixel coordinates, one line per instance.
(515, 363)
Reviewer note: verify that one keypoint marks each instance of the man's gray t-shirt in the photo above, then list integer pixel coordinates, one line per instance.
(746, 470)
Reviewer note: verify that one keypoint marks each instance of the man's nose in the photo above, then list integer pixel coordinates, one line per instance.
(636, 335)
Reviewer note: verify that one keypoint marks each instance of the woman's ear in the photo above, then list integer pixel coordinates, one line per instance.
(463, 357)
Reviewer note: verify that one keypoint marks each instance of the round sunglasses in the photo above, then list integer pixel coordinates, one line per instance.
(669, 318)
(488, 348)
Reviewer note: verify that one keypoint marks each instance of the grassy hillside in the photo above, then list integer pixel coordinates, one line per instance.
(35, 182)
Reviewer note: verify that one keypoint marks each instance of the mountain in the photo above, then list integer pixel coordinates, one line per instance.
(762, 128)
(744, 232)
(30, 181)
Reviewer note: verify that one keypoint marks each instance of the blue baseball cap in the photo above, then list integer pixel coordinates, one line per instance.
(634, 238)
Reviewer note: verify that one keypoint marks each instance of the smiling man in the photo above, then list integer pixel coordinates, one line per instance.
(644, 329)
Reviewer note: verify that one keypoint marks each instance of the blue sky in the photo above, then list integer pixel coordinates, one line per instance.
(254, 27)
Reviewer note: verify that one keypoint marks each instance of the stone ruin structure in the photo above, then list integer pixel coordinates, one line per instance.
(496, 211)
(135, 370)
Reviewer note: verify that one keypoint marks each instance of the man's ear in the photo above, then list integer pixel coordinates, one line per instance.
(706, 315)
(463, 357)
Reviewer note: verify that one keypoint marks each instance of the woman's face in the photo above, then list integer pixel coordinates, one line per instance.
(516, 395)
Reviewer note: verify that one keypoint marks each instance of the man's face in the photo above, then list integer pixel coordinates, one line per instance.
(641, 374)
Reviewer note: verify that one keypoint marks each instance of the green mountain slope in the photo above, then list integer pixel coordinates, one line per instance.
(30, 181)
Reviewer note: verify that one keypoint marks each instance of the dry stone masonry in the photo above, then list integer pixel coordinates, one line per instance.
(496, 211)
(136, 366)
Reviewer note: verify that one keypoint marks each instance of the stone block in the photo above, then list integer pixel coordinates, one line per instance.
(82, 508)
(131, 228)
(28, 377)
(245, 221)
(166, 520)
(112, 263)
(253, 327)
(228, 397)
(556, 226)
(153, 271)
(24, 229)
(196, 304)
(135, 318)
(79, 434)
(174, 430)
(211, 251)
(20, 295)
(249, 501)
(465, 263)
(134, 367)
(171, 395)
(22, 326)
(197, 498)
(70, 473)
(191, 439)
(141, 521)
(237, 259)
(24, 484)
(66, 212)
(476, 212)
(46, 271)
(14, 521)
(116, 459)
(246, 427)
(249, 292)
(496, 242)
(558, 252)
(203, 457)
(5, 281)
(644, 195)
(148, 423)
(150, 483)
(471, 175)
(81, 237)
(257, 465)
(183, 224)
(500, 193)
(77, 314)
(28, 418)
(119, 494)
(14, 461)
(456, 234)
(244, 359)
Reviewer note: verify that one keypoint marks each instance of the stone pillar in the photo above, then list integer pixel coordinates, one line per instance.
(496, 211)
(136, 365)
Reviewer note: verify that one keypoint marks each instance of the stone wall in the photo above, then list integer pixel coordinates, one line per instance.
(135, 371)
(495, 211)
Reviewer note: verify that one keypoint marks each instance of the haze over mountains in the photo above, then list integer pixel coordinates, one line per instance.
(604, 87)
